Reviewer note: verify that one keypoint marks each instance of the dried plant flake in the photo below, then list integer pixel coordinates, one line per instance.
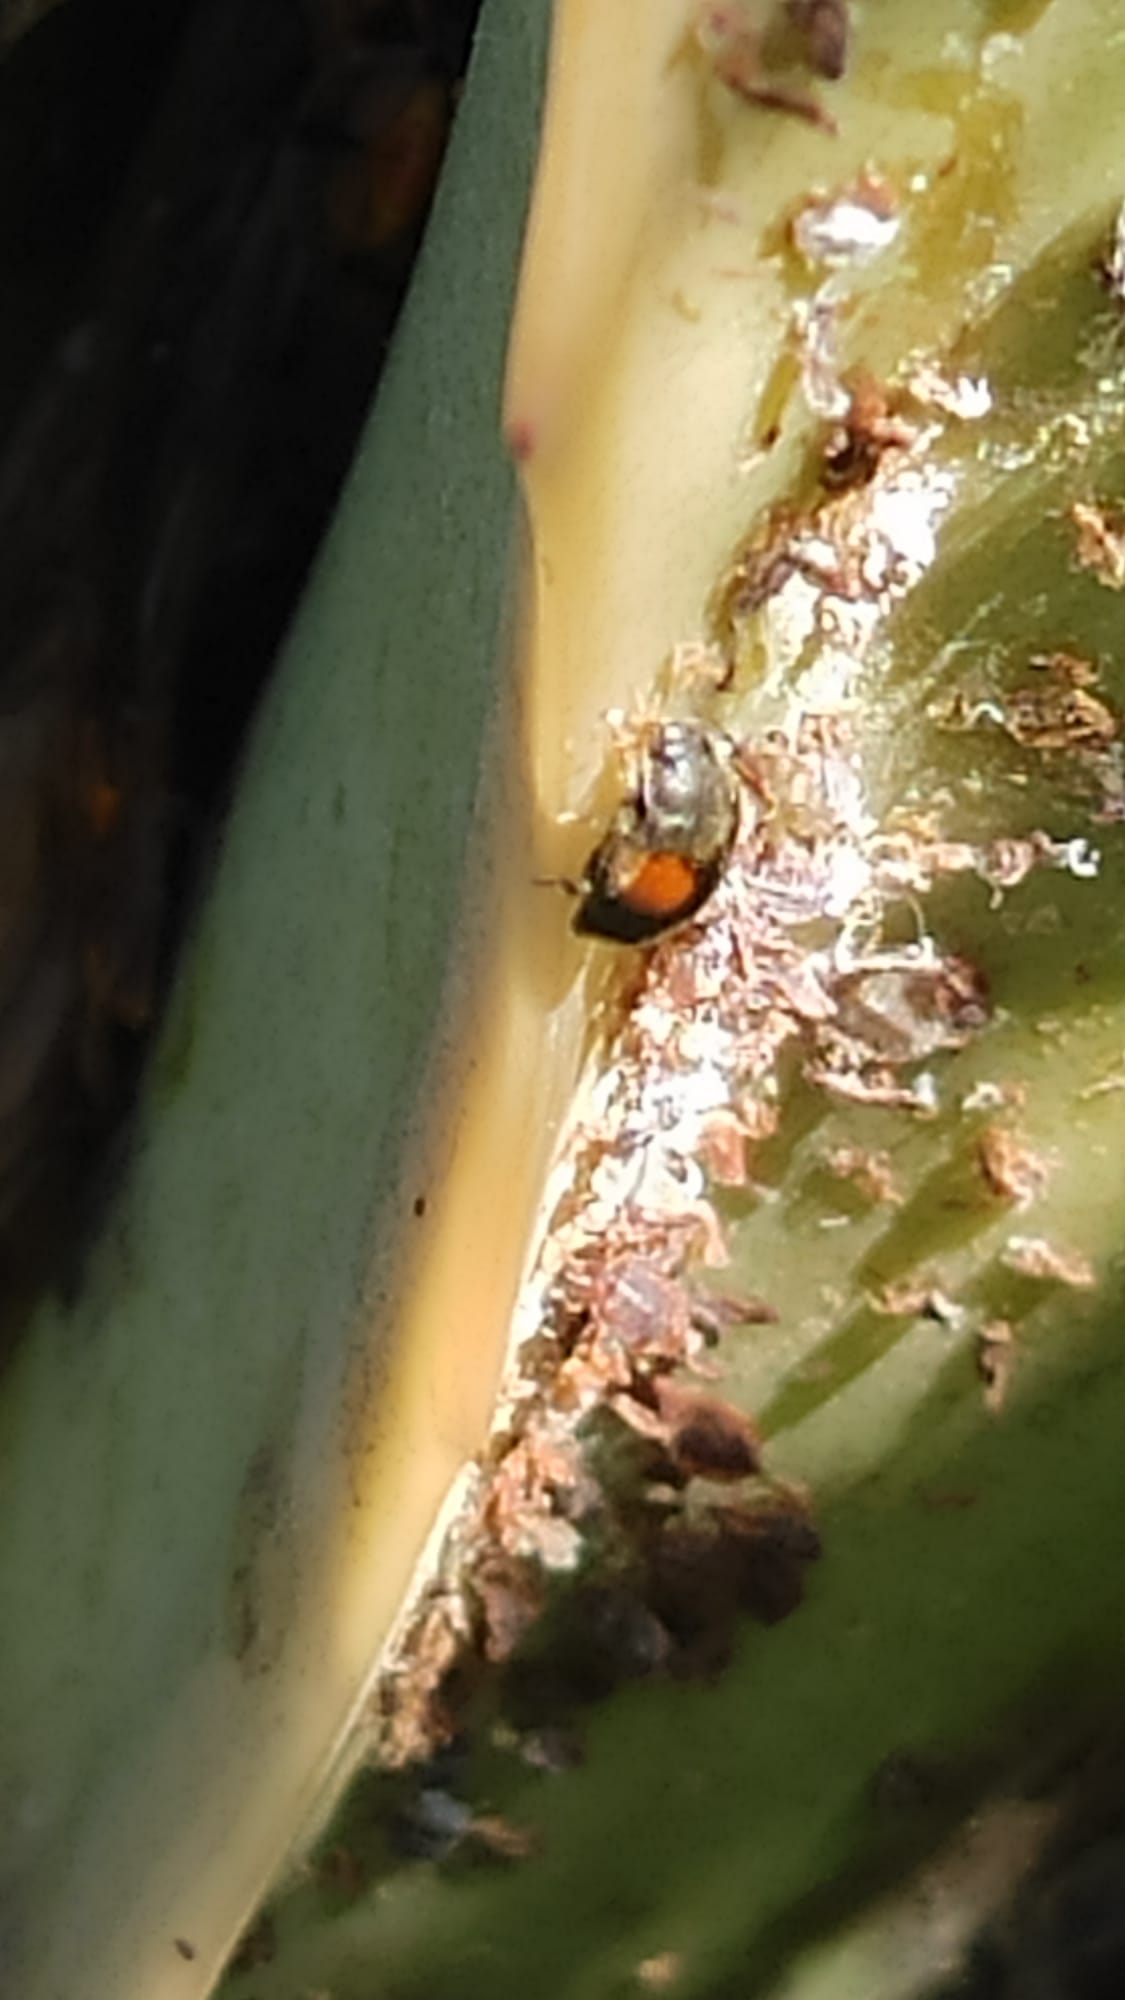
(1035, 1257)
(1012, 1169)
(788, 966)
(1100, 541)
(870, 1170)
(996, 1360)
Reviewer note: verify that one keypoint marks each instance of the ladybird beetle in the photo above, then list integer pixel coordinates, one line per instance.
(666, 850)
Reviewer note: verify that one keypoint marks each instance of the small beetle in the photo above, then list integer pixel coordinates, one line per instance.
(666, 850)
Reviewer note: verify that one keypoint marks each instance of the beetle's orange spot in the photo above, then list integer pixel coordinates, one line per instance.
(662, 884)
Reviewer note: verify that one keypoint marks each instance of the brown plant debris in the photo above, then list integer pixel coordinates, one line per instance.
(825, 29)
(918, 1296)
(1012, 1169)
(790, 956)
(511, 1599)
(624, 1516)
(417, 1709)
(717, 1312)
(870, 1171)
(996, 1360)
(1057, 715)
(1035, 1257)
(701, 1435)
(704, 1571)
(1060, 718)
(743, 59)
(1100, 541)
(872, 426)
(723, 1149)
(1003, 863)
(1070, 669)
(829, 575)
(761, 569)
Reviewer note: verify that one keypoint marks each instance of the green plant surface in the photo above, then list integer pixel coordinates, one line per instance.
(961, 1644)
(960, 1621)
(906, 1741)
(218, 1465)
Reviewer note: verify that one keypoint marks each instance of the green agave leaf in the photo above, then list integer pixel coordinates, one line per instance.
(217, 1469)
(869, 1783)
(220, 1468)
